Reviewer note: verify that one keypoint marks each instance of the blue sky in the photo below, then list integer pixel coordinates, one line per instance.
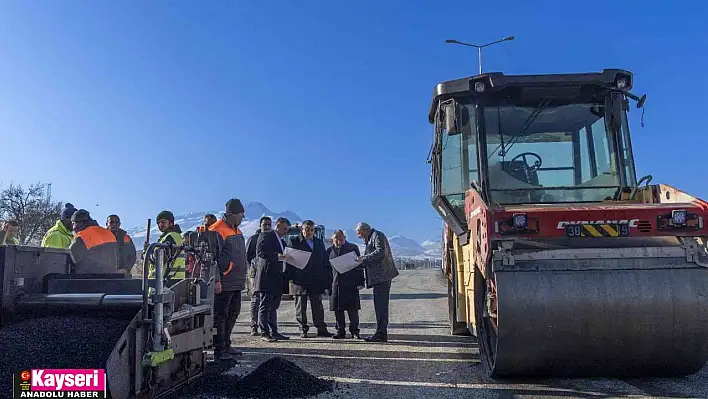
(319, 107)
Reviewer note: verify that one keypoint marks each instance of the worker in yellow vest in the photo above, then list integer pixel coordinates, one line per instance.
(60, 235)
(171, 234)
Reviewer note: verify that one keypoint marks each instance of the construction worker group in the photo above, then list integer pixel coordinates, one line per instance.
(259, 265)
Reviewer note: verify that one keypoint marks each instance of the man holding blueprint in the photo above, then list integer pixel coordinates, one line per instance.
(311, 276)
(348, 279)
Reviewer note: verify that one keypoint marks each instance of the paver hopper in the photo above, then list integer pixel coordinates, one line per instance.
(557, 258)
(162, 327)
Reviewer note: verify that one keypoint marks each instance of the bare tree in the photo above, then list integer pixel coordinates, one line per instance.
(32, 208)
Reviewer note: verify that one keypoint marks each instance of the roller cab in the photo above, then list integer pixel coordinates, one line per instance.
(558, 259)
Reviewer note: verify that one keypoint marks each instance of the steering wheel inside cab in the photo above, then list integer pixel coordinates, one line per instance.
(520, 169)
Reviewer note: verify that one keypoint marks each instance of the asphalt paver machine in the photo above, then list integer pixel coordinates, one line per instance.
(558, 260)
(150, 335)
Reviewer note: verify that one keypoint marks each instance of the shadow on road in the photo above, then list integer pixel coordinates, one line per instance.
(393, 339)
(391, 326)
(436, 339)
(370, 297)
(422, 295)
(406, 389)
(366, 353)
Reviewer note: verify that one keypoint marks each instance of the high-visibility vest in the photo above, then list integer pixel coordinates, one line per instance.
(178, 269)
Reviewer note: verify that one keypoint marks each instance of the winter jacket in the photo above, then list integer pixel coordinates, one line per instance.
(58, 237)
(378, 260)
(251, 256)
(232, 259)
(94, 250)
(9, 240)
(270, 277)
(178, 268)
(127, 253)
(317, 275)
(345, 295)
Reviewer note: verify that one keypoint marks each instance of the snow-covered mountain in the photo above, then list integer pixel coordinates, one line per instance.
(400, 245)
(403, 246)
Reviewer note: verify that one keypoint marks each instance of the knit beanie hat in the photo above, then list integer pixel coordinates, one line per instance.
(67, 211)
(234, 206)
(82, 215)
(166, 215)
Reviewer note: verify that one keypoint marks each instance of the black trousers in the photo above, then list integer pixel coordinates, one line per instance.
(381, 300)
(317, 312)
(353, 321)
(227, 307)
(255, 304)
(268, 312)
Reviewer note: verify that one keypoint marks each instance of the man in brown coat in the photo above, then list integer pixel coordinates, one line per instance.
(127, 254)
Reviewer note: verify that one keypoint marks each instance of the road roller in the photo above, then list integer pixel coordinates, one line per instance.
(149, 335)
(558, 260)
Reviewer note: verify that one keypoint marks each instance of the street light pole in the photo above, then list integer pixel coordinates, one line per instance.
(479, 47)
(479, 59)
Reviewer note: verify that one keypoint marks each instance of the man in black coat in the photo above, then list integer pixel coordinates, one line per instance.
(270, 280)
(265, 226)
(345, 287)
(312, 281)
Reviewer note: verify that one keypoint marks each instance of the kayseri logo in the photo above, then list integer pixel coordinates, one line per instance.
(631, 223)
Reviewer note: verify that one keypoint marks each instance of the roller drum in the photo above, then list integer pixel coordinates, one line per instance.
(616, 322)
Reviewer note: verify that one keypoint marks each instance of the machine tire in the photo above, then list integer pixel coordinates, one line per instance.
(456, 327)
(486, 335)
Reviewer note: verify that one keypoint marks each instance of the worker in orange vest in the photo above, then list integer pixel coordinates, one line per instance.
(231, 279)
(93, 248)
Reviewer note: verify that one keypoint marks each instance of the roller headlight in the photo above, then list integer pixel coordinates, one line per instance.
(520, 221)
(679, 217)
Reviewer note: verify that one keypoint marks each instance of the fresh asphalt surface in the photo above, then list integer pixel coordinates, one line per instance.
(421, 359)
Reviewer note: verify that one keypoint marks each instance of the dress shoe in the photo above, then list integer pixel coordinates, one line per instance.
(339, 335)
(280, 337)
(376, 338)
(268, 338)
(324, 334)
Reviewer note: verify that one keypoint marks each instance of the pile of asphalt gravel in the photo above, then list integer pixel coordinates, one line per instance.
(274, 378)
(73, 342)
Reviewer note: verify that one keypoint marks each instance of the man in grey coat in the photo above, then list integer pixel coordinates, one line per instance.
(380, 270)
(265, 226)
